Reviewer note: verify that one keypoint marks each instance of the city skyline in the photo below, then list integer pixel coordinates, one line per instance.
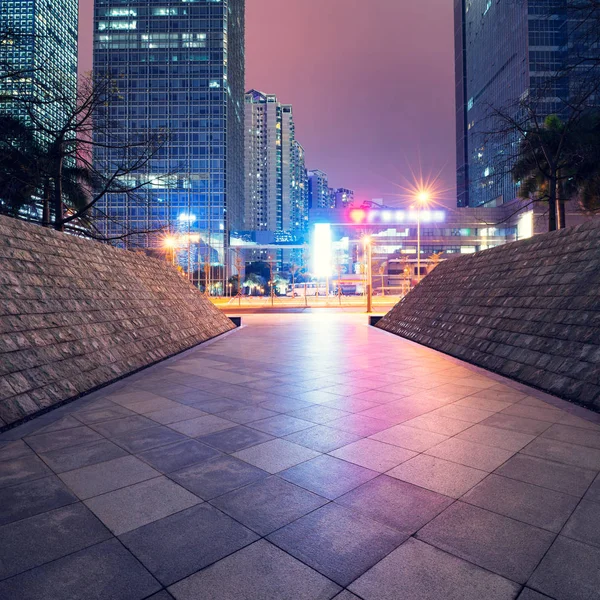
(368, 132)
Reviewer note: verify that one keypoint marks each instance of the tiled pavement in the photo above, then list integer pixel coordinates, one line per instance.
(304, 457)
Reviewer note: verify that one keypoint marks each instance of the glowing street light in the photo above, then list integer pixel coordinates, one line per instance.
(368, 252)
(422, 197)
(171, 243)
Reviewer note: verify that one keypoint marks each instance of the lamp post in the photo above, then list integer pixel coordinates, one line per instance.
(423, 198)
(170, 243)
(368, 252)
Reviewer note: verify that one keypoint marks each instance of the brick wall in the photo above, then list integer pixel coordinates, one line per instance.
(77, 314)
(529, 310)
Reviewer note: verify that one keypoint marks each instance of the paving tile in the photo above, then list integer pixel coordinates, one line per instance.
(319, 414)
(20, 470)
(359, 425)
(32, 498)
(498, 438)
(202, 425)
(124, 425)
(373, 455)
(502, 545)
(75, 457)
(594, 492)
(490, 404)
(512, 423)
(548, 474)
(522, 501)
(327, 476)
(549, 414)
(37, 540)
(218, 405)
(162, 595)
(107, 476)
(398, 504)
(584, 524)
(573, 435)
(235, 439)
(338, 542)
(410, 438)
(105, 571)
(16, 449)
(463, 413)
(152, 405)
(322, 438)
(281, 425)
(568, 454)
(529, 594)
(569, 571)
(258, 571)
(478, 456)
(106, 414)
(167, 416)
(137, 505)
(350, 404)
(145, 439)
(62, 439)
(417, 571)
(276, 455)
(57, 425)
(217, 476)
(281, 404)
(438, 475)
(177, 456)
(181, 544)
(268, 504)
(346, 595)
(247, 414)
(437, 424)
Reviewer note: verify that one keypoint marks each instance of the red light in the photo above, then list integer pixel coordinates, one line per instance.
(358, 215)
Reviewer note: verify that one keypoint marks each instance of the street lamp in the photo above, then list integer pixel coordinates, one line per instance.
(170, 243)
(368, 252)
(422, 198)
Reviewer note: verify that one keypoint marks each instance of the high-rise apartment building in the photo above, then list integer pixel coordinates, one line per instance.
(38, 54)
(179, 68)
(276, 188)
(505, 52)
(343, 198)
(319, 195)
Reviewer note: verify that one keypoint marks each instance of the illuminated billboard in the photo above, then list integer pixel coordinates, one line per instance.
(322, 250)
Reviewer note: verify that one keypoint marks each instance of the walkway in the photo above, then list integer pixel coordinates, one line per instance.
(303, 457)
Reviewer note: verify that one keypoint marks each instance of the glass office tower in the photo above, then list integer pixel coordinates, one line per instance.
(38, 53)
(179, 68)
(504, 51)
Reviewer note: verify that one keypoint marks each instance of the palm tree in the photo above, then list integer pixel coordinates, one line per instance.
(558, 162)
(21, 166)
(34, 176)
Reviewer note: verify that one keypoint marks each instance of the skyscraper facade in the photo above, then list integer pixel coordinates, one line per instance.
(505, 52)
(38, 54)
(276, 188)
(179, 69)
(319, 195)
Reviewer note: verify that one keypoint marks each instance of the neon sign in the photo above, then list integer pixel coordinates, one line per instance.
(360, 216)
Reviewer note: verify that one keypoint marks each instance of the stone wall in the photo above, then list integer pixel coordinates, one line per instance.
(529, 310)
(77, 314)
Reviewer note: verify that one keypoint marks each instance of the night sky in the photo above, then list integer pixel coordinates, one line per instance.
(371, 82)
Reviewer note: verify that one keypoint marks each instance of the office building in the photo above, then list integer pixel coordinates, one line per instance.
(275, 189)
(505, 52)
(38, 54)
(179, 68)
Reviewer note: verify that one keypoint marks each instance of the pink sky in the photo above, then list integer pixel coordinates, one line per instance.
(371, 82)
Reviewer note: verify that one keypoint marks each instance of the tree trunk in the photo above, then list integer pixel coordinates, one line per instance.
(46, 206)
(59, 209)
(560, 209)
(552, 213)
